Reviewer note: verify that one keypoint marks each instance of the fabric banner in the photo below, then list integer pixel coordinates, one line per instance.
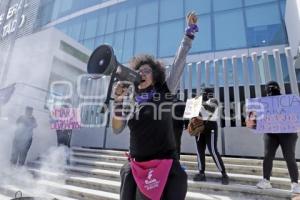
(275, 114)
(151, 176)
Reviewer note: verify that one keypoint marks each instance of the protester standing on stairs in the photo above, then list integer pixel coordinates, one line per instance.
(153, 162)
(23, 137)
(209, 137)
(287, 142)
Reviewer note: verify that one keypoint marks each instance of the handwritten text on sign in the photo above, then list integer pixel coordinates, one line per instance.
(65, 118)
(276, 114)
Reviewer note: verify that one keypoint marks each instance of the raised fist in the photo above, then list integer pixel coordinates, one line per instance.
(192, 27)
(191, 18)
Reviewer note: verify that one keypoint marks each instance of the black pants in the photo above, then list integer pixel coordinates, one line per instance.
(64, 137)
(178, 134)
(20, 149)
(288, 144)
(209, 139)
(175, 188)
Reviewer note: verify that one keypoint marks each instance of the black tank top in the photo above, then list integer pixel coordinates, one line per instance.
(151, 130)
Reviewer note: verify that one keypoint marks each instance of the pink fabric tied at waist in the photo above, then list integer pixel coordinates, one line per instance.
(151, 176)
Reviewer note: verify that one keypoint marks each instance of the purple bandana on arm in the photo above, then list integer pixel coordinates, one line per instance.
(190, 30)
(144, 97)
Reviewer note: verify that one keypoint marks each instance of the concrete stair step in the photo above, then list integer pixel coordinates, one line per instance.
(104, 153)
(79, 193)
(4, 197)
(231, 168)
(241, 169)
(193, 187)
(9, 191)
(246, 179)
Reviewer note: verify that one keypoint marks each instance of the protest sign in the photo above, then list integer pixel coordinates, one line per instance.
(64, 118)
(275, 114)
(195, 106)
(192, 107)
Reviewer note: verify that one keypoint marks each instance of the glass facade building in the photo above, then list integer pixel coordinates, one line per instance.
(156, 26)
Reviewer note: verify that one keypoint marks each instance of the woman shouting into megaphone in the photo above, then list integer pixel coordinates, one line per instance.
(153, 166)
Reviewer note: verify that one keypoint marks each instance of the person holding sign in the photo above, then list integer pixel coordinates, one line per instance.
(207, 135)
(287, 142)
(153, 164)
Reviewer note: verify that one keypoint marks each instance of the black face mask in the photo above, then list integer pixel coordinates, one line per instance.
(273, 90)
(207, 96)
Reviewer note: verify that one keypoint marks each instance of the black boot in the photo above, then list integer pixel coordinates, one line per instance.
(225, 179)
(199, 177)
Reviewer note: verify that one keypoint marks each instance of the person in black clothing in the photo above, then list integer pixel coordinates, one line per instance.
(64, 137)
(287, 142)
(23, 137)
(179, 124)
(151, 123)
(208, 138)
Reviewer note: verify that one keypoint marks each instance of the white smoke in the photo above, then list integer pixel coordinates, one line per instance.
(31, 64)
(24, 179)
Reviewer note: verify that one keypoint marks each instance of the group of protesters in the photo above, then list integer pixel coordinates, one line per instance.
(153, 170)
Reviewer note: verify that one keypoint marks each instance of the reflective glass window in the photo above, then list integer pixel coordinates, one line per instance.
(101, 22)
(66, 5)
(109, 39)
(228, 4)
(202, 41)
(264, 25)
(111, 19)
(200, 6)
(240, 71)
(146, 40)
(261, 69)
(90, 43)
(250, 71)
(147, 13)
(118, 45)
(99, 41)
(75, 28)
(170, 9)
(229, 71)
(262, 15)
(126, 18)
(170, 35)
(255, 2)
(91, 26)
(128, 45)
(282, 7)
(285, 69)
(56, 8)
(230, 30)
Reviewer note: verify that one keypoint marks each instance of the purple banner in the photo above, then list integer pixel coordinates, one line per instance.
(275, 114)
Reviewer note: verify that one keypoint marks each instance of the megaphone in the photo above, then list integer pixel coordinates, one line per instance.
(104, 62)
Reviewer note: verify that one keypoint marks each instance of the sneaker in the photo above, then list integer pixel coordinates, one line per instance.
(225, 179)
(199, 177)
(264, 184)
(295, 188)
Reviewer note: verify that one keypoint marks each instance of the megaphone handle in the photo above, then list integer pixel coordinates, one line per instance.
(108, 96)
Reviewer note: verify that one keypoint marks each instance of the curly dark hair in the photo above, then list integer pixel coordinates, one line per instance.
(158, 69)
